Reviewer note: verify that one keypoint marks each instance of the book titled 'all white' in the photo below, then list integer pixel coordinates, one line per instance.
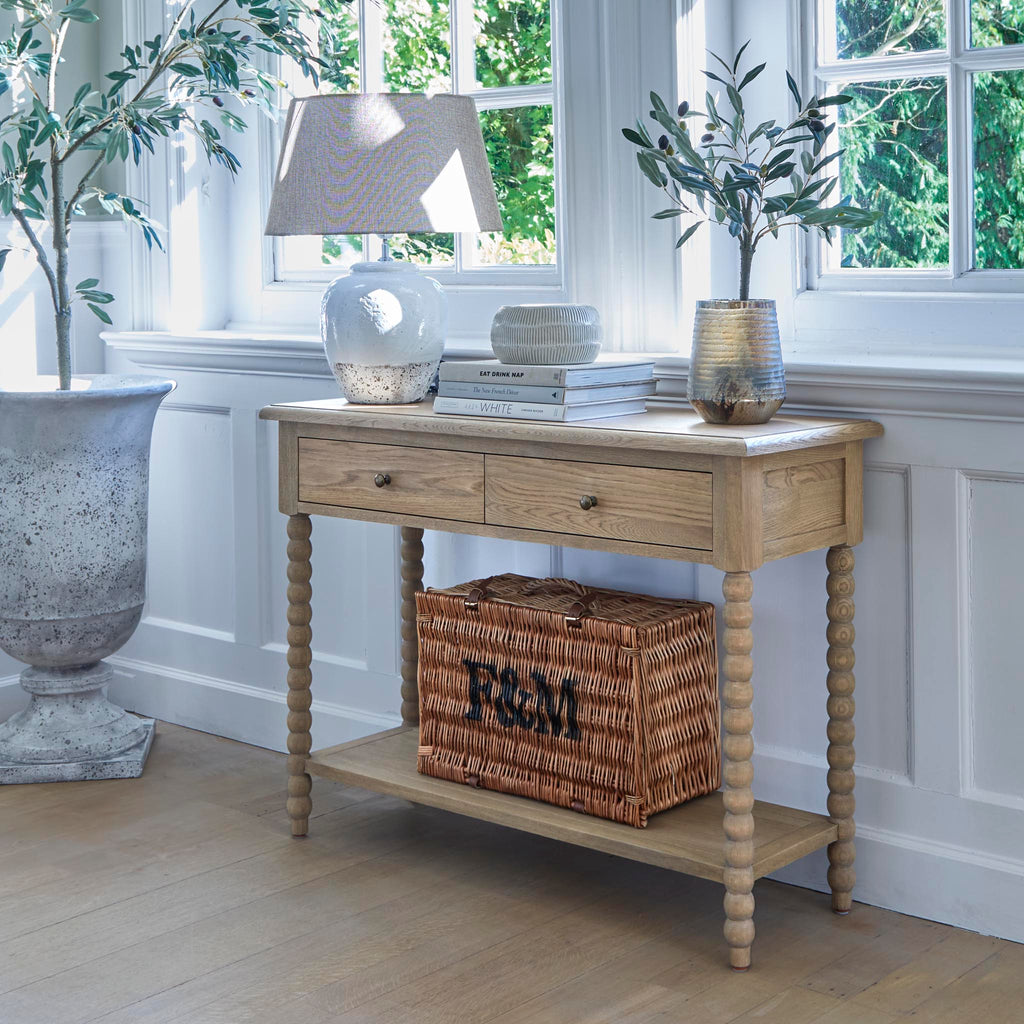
(537, 411)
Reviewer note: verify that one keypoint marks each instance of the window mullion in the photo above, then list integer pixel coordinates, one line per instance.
(371, 79)
(870, 69)
(960, 114)
(463, 47)
(958, 27)
(463, 81)
(371, 46)
(824, 41)
(508, 96)
(961, 171)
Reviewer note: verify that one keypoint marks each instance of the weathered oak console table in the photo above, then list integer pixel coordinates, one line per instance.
(663, 484)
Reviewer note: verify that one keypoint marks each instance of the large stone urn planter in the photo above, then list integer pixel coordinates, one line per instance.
(74, 483)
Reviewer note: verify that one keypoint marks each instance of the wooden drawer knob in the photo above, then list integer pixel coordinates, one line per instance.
(587, 502)
(382, 479)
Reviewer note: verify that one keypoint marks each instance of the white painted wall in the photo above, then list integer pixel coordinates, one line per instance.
(940, 773)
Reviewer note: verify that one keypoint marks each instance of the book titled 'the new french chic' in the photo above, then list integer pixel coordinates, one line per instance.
(490, 370)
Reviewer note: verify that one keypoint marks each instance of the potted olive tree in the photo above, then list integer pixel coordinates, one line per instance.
(755, 181)
(74, 450)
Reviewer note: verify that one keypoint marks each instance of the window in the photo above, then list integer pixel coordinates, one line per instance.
(934, 138)
(497, 51)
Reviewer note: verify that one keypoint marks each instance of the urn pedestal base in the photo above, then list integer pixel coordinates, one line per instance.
(128, 765)
(70, 731)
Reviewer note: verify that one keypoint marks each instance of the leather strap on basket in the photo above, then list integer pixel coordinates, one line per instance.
(579, 608)
(477, 594)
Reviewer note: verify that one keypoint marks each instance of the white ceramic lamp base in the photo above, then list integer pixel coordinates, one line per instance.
(383, 327)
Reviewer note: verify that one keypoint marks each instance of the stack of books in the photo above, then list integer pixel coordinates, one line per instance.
(557, 393)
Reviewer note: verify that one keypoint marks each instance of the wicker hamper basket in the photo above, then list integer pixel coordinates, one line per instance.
(596, 700)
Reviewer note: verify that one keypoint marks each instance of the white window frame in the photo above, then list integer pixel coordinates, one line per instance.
(463, 75)
(957, 63)
(218, 274)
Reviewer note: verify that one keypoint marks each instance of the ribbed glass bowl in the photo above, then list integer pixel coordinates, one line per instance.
(546, 335)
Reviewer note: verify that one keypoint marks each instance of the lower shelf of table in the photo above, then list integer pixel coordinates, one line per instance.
(688, 838)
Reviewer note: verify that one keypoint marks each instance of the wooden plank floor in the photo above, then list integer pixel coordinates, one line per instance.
(181, 897)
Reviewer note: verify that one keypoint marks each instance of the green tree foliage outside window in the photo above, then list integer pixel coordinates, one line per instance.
(513, 42)
(512, 47)
(998, 141)
(896, 161)
(895, 134)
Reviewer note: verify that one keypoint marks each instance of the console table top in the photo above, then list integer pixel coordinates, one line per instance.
(658, 429)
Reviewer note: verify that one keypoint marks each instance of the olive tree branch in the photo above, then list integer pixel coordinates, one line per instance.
(162, 63)
(41, 257)
(57, 45)
(83, 184)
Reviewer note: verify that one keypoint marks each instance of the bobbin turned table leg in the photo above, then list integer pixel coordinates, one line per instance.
(738, 772)
(841, 802)
(412, 580)
(300, 659)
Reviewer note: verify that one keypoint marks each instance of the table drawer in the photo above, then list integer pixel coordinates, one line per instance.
(646, 506)
(388, 478)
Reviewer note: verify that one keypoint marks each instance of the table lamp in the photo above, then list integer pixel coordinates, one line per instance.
(383, 163)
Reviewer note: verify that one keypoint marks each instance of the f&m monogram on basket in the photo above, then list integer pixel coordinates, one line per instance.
(595, 700)
(502, 690)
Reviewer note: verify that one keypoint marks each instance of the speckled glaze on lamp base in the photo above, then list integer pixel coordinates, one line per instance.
(385, 385)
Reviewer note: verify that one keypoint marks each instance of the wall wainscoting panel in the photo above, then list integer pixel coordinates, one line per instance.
(192, 507)
(994, 674)
(939, 803)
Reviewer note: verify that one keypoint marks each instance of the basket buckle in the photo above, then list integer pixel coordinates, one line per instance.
(575, 614)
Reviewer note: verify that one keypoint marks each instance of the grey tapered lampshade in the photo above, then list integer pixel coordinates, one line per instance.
(382, 163)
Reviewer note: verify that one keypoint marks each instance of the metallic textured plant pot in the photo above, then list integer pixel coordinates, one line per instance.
(736, 373)
(74, 483)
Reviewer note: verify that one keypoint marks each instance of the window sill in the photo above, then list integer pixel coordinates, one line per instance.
(904, 324)
(988, 385)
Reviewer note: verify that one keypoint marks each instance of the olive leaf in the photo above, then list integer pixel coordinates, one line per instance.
(754, 183)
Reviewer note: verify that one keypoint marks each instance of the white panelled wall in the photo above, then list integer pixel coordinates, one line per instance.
(940, 765)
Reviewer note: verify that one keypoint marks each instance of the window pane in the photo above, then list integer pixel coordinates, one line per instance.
(342, 250)
(338, 34)
(999, 170)
(339, 47)
(520, 147)
(875, 28)
(895, 160)
(426, 250)
(417, 45)
(997, 22)
(513, 42)
(417, 55)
